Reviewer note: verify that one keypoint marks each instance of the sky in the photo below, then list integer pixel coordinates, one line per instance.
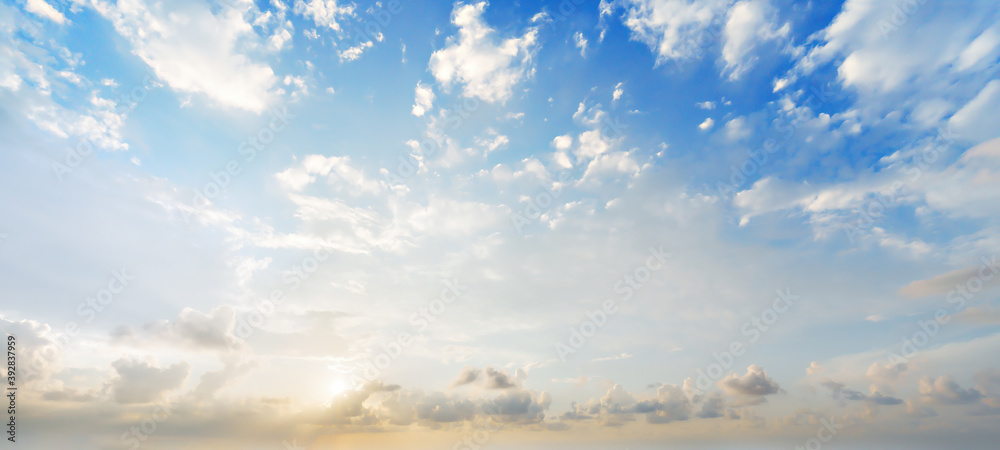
(627, 224)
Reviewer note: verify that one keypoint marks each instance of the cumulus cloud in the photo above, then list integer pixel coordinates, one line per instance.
(562, 142)
(673, 29)
(42, 348)
(712, 407)
(885, 374)
(468, 375)
(561, 156)
(908, 61)
(581, 43)
(355, 52)
(41, 8)
(437, 407)
(215, 380)
(349, 407)
(967, 188)
(755, 382)
(944, 390)
(195, 50)
(143, 382)
(424, 98)
(485, 69)
(498, 379)
(194, 329)
(488, 145)
(833, 386)
(446, 216)
(490, 378)
(839, 391)
(618, 406)
(376, 403)
(615, 163)
(325, 13)
(524, 406)
(749, 24)
(338, 170)
(36, 77)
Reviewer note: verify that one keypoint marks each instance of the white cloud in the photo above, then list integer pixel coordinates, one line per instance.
(532, 166)
(562, 142)
(542, 17)
(968, 188)
(592, 144)
(617, 94)
(706, 125)
(750, 23)
(195, 51)
(144, 382)
(673, 29)
(34, 74)
(737, 129)
(338, 170)
(897, 60)
(41, 8)
(451, 217)
(780, 83)
(614, 163)
(353, 53)
(199, 331)
(978, 121)
(424, 98)
(280, 37)
(755, 382)
(325, 13)
(944, 390)
(979, 49)
(491, 145)
(485, 70)
(581, 43)
(562, 145)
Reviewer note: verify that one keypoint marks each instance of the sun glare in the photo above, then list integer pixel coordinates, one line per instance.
(339, 386)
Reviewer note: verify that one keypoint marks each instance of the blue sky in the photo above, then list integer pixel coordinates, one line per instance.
(400, 224)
